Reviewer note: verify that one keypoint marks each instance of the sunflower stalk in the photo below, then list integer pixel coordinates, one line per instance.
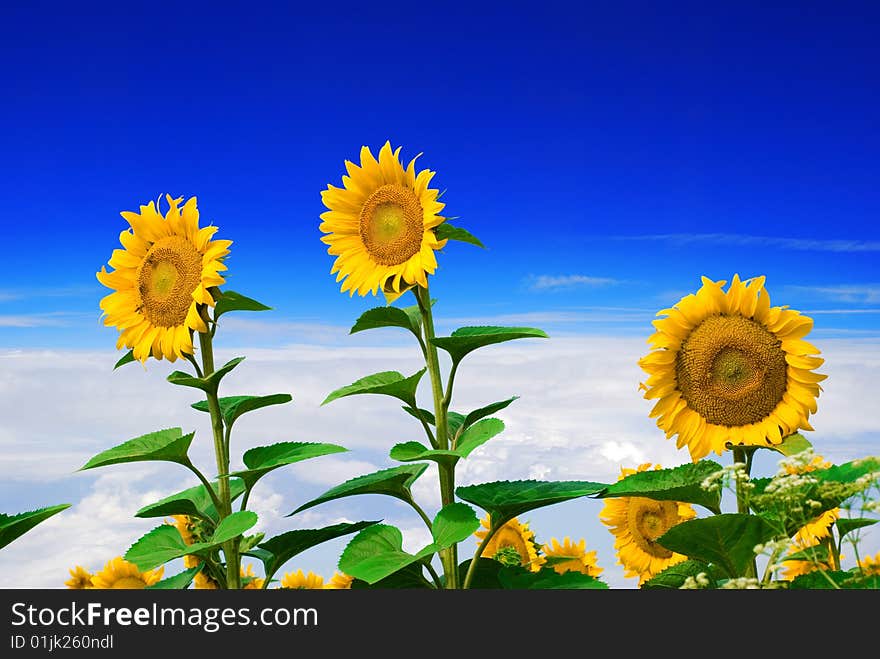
(221, 453)
(449, 556)
(744, 456)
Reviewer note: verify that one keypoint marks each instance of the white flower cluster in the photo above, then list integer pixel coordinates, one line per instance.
(742, 583)
(699, 582)
(730, 474)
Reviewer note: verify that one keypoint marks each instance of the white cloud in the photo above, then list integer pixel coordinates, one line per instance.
(551, 282)
(800, 244)
(861, 294)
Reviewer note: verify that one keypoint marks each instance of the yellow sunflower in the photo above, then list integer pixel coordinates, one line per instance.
(80, 579)
(299, 581)
(118, 573)
(870, 564)
(820, 527)
(512, 544)
(728, 367)
(255, 583)
(824, 560)
(160, 278)
(339, 581)
(380, 225)
(636, 523)
(570, 557)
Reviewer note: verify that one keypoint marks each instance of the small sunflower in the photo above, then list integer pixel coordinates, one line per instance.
(380, 225)
(512, 544)
(80, 579)
(870, 564)
(570, 557)
(253, 582)
(824, 560)
(299, 581)
(118, 573)
(818, 528)
(160, 278)
(726, 367)
(636, 523)
(339, 581)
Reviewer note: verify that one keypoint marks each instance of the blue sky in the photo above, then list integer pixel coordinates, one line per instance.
(608, 155)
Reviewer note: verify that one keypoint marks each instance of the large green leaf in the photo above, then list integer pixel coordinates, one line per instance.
(485, 575)
(195, 502)
(847, 525)
(682, 483)
(232, 407)
(408, 318)
(232, 301)
(726, 540)
(395, 482)
(377, 552)
(504, 500)
(849, 472)
(388, 383)
(472, 438)
(447, 231)
(518, 578)
(178, 581)
(168, 445)
(467, 339)
(164, 543)
(482, 412)
(409, 578)
(455, 522)
(281, 548)
(675, 575)
(127, 358)
(209, 383)
(260, 460)
(14, 526)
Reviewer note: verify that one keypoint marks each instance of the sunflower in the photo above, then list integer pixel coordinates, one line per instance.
(118, 573)
(80, 579)
(339, 581)
(253, 582)
(380, 225)
(512, 544)
(870, 564)
(570, 557)
(818, 528)
(823, 560)
(726, 367)
(299, 581)
(636, 523)
(160, 279)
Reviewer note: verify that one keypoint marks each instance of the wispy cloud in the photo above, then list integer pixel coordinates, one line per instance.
(51, 319)
(554, 282)
(10, 295)
(858, 293)
(802, 244)
(581, 315)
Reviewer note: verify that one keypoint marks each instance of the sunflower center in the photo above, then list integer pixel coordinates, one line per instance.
(391, 225)
(647, 520)
(166, 279)
(129, 583)
(731, 370)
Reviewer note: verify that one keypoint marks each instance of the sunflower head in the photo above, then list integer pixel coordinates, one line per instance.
(571, 557)
(823, 559)
(512, 544)
(870, 565)
(636, 523)
(80, 579)
(339, 581)
(300, 581)
(161, 279)
(120, 574)
(726, 369)
(380, 225)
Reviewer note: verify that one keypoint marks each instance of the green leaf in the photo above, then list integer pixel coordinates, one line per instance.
(467, 339)
(281, 548)
(792, 445)
(394, 482)
(389, 383)
(194, 502)
(504, 500)
(485, 574)
(260, 460)
(726, 540)
(416, 452)
(454, 422)
(410, 577)
(849, 472)
(208, 383)
(420, 414)
(476, 415)
(167, 445)
(814, 554)
(447, 231)
(408, 318)
(14, 526)
(477, 435)
(232, 301)
(125, 359)
(849, 524)
(518, 578)
(179, 581)
(675, 575)
(234, 525)
(232, 407)
(455, 522)
(816, 580)
(680, 483)
(376, 553)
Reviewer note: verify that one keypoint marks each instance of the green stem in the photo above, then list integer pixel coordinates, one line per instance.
(230, 548)
(421, 513)
(434, 576)
(446, 472)
(217, 504)
(742, 501)
(472, 567)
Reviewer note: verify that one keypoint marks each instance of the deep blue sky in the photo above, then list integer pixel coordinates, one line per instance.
(568, 136)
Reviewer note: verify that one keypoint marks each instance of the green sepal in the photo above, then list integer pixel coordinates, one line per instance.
(168, 445)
